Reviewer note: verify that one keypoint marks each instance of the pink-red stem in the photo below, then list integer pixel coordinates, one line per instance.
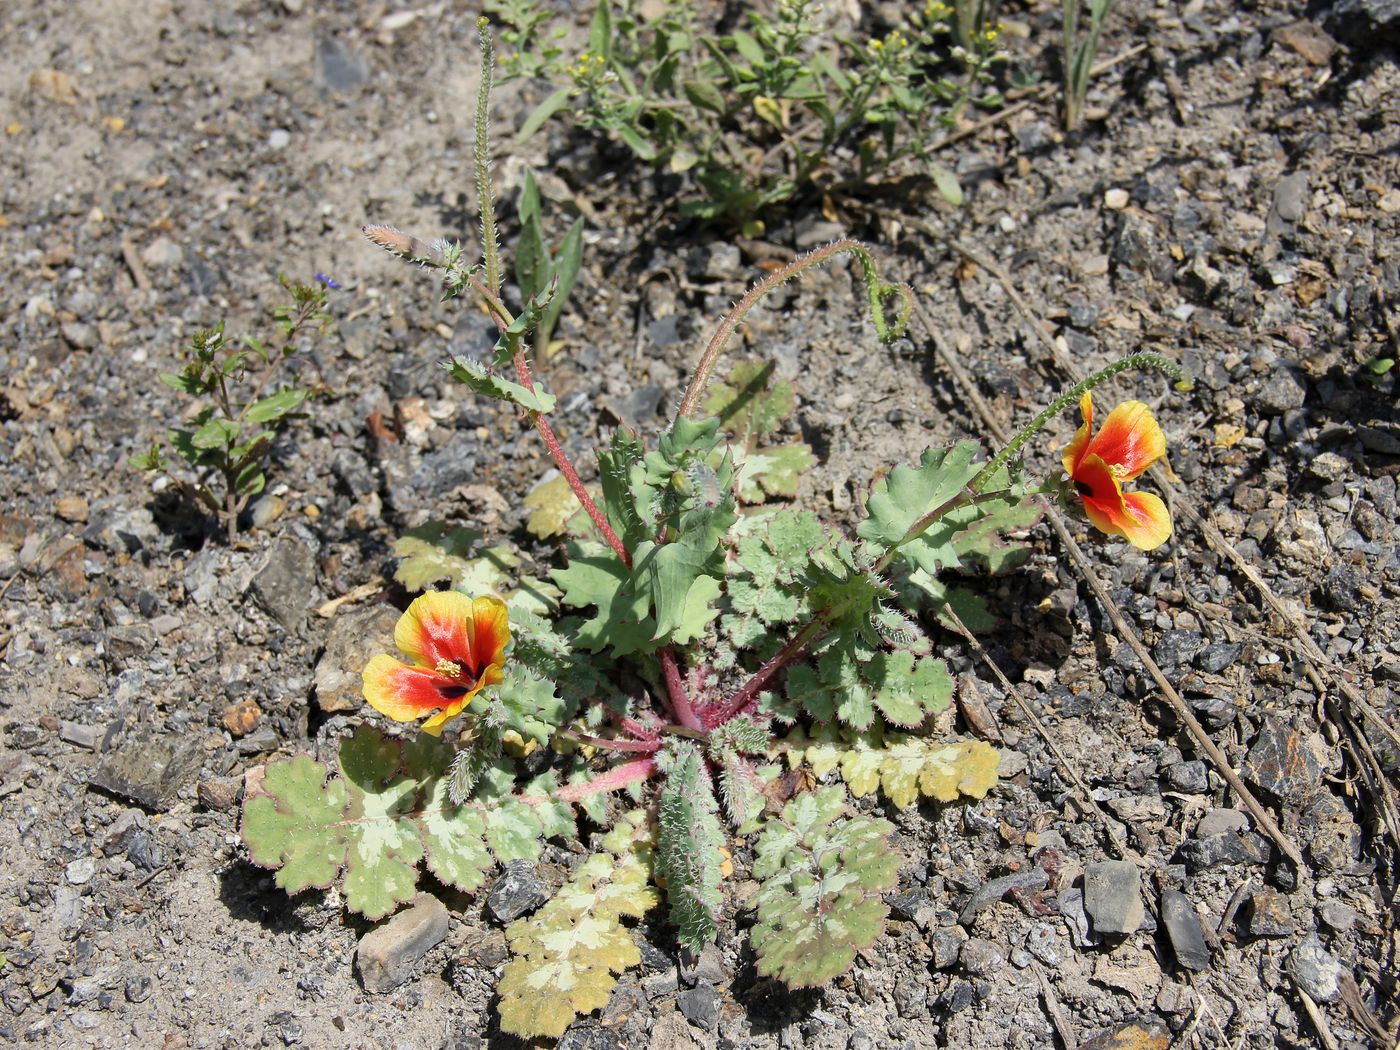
(744, 700)
(612, 780)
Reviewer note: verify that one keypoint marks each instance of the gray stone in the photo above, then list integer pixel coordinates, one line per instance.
(1113, 896)
(81, 871)
(162, 253)
(981, 957)
(1278, 393)
(286, 581)
(1135, 244)
(1316, 969)
(1202, 854)
(1071, 905)
(946, 942)
(387, 954)
(639, 404)
(139, 988)
(89, 737)
(1044, 943)
(718, 261)
(707, 968)
(1184, 931)
(1188, 777)
(260, 741)
(1369, 23)
(516, 892)
(150, 770)
(354, 637)
(1337, 916)
(122, 531)
(700, 1006)
(1216, 657)
(136, 639)
(1220, 821)
(995, 889)
(1287, 763)
(338, 68)
(1291, 196)
(587, 1035)
(1177, 647)
(910, 995)
(79, 335)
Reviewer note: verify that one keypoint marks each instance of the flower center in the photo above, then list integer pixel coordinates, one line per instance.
(448, 669)
(1084, 488)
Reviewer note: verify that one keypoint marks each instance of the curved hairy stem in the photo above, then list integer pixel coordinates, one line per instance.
(1070, 397)
(877, 292)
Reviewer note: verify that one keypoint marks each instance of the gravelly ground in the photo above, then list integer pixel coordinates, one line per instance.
(1233, 204)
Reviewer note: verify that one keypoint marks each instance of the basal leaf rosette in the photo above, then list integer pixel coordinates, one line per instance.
(457, 646)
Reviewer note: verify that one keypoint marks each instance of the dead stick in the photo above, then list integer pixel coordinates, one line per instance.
(1324, 1033)
(133, 263)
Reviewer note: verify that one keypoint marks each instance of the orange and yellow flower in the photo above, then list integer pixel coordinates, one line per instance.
(1099, 464)
(458, 647)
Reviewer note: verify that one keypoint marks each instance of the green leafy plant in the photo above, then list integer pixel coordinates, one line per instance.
(1079, 52)
(770, 109)
(698, 632)
(230, 429)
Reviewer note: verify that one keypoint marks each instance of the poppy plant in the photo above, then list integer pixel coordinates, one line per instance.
(458, 647)
(1099, 464)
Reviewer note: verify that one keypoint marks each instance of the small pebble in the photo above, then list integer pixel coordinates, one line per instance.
(279, 138)
(72, 508)
(81, 871)
(1115, 199)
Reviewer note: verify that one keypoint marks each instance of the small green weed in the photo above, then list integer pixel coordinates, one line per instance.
(226, 437)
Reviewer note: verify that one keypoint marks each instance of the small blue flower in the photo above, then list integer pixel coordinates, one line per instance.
(327, 280)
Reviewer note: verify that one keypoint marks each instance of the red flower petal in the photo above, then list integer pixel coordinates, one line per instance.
(407, 693)
(1074, 451)
(1140, 517)
(1130, 441)
(435, 628)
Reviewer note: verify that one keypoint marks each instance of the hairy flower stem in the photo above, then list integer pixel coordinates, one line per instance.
(743, 700)
(877, 291)
(1069, 397)
(503, 319)
(490, 249)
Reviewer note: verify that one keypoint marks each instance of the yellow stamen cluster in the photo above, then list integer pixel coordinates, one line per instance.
(589, 66)
(448, 669)
(891, 45)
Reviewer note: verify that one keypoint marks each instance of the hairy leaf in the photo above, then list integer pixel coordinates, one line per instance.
(431, 553)
(749, 403)
(552, 504)
(389, 808)
(903, 768)
(689, 844)
(908, 493)
(565, 956)
(496, 386)
(766, 472)
(821, 876)
(623, 622)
